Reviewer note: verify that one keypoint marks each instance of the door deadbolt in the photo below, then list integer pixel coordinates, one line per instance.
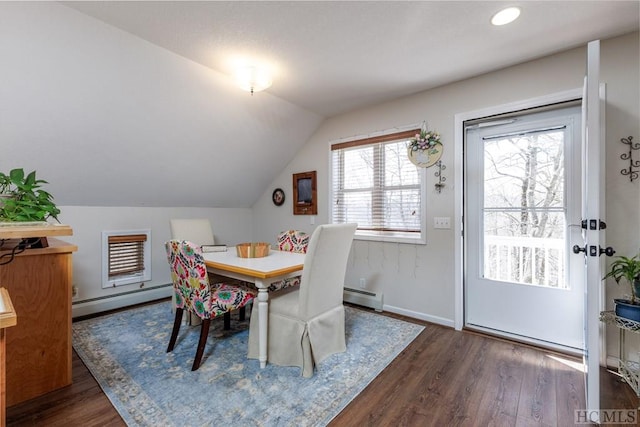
(608, 251)
(577, 249)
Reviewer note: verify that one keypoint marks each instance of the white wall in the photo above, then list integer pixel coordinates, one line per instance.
(230, 226)
(111, 119)
(620, 70)
(419, 280)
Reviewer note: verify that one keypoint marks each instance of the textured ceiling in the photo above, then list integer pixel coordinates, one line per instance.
(131, 103)
(331, 57)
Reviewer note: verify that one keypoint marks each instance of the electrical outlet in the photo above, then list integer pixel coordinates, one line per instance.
(363, 282)
(74, 291)
(441, 222)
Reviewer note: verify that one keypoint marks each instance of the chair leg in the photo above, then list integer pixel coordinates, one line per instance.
(227, 321)
(176, 329)
(204, 332)
(243, 313)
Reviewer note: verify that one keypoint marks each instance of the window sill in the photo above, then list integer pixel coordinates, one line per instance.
(397, 237)
(127, 280)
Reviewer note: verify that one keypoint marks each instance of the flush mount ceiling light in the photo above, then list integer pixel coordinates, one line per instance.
(505, 16)
(253, 79)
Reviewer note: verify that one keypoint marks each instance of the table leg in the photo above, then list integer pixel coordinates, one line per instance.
(263, 315)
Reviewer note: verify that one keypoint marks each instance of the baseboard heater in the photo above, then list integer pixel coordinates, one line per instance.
(123, 299)
(363, 298)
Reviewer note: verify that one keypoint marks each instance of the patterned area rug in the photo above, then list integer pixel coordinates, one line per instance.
(125, 352)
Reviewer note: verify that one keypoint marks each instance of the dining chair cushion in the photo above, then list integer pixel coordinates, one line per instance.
(192, 290)
(198, 231)
(284, 283)
(293, 241)
(194, 293)
(290, 241)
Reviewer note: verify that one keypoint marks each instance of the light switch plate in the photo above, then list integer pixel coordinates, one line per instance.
(441, 222)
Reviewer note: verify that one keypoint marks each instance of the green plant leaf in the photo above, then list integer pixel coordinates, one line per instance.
(17, 175)
(625, 268)
(28, 202)
(31, 179)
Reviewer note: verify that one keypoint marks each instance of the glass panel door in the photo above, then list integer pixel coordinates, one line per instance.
(522, 210)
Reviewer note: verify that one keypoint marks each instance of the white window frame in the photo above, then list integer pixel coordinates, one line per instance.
(132, 278)
(385, 236)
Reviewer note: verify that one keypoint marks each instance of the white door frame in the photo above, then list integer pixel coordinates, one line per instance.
(458, 163)
(594, 161)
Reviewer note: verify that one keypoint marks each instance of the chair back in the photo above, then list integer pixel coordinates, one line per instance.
(189, 275)
(293, 241)
(325, 266)
(192, 230)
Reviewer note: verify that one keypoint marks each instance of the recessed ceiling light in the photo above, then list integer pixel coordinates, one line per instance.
(506, 16)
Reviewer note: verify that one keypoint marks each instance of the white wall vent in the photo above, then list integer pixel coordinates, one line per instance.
(363, 298)
(126, 257)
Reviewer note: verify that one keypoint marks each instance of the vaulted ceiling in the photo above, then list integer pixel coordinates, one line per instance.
(132, 103)
(331, 57)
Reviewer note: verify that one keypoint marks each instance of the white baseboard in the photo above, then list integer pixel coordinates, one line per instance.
(98, 305)
(417, 315)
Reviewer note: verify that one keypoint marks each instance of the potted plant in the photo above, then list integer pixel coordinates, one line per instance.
(26, 200)
(629, 270)
(5, 184)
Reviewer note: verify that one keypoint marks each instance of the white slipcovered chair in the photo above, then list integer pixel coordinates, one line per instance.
(306, 323)
(193, 230)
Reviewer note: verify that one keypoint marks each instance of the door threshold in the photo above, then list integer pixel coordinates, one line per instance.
(528, 341)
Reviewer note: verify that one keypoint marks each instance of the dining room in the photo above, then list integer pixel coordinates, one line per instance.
(133, 114)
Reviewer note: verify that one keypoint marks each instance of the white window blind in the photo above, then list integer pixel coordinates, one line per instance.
(375, 185)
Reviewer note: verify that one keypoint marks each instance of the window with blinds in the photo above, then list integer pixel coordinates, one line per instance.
(375, 185)
(126, 257)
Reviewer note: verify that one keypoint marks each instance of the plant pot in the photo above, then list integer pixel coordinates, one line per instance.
(625, 309)
(425, 158)
(636, 288)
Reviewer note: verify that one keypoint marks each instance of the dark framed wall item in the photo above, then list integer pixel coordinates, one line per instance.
(278, 197)
(305, 198)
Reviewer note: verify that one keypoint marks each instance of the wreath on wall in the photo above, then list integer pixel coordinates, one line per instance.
(425, 149)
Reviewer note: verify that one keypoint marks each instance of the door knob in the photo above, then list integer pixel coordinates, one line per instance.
(608, 251)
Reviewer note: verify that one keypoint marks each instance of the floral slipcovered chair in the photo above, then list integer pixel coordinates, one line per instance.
(194, 293)
(291, 241)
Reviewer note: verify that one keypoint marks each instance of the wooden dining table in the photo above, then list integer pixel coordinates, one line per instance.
(276, 266)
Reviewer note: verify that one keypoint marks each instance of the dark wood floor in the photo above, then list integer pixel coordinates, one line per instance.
(443, 378)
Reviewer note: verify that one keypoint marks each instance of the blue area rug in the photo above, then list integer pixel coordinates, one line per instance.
(125, 352)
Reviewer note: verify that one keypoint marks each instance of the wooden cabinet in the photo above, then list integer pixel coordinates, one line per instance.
(7, 319)
(38, 348)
